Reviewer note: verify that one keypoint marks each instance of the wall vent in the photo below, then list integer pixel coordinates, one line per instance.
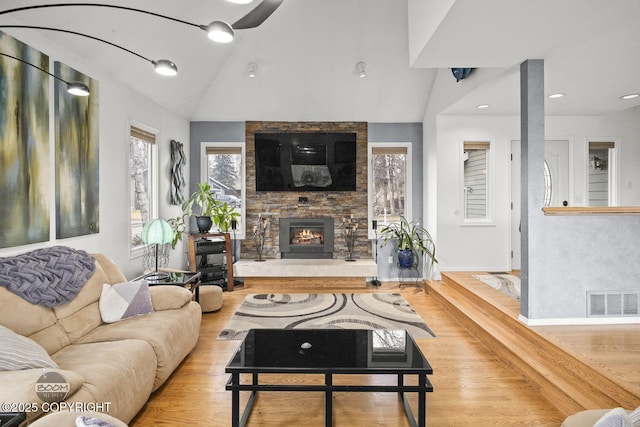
(613, 304)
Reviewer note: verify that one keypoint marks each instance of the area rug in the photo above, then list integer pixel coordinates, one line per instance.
(508, 284)
(325, 311)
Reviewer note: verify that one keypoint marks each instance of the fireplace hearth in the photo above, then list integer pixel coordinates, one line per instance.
(306, 238)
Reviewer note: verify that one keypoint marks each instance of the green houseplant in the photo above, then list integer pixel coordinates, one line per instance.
(223, 215)
(202, 197)
(413, 240)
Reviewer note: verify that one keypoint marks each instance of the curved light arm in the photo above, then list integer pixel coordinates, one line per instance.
(162, 66)
(74, 88)
(226, 37)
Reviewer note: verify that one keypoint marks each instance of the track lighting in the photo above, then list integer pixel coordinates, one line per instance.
(361, 71)
(164, 67)
(74, 88)
(252, 69)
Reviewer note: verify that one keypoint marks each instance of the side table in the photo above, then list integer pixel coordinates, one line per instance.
(187, 280)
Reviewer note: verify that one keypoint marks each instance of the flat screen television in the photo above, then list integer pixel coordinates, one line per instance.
(318, 161)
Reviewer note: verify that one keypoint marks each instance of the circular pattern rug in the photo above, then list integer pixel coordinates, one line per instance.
(325, 311)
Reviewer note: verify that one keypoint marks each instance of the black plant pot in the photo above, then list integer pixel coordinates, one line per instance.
(203, 223)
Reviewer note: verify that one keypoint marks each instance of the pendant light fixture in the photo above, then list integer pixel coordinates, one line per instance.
(164, 67)
(74, 88)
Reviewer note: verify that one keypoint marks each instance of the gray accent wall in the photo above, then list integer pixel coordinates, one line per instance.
(401, 132)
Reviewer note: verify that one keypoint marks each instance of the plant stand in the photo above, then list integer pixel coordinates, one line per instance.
(406, 276)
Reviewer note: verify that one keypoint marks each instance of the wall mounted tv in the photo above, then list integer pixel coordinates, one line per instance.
(305, 161)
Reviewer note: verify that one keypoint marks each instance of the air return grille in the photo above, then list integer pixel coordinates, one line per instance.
(613, 304)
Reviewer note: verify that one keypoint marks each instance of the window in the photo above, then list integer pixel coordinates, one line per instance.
(548, 185)
(601, 176)
(476, 181)
(223, 167)
(389, 182)
(143, 178)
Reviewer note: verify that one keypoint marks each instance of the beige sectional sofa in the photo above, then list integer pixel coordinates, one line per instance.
(113, 367)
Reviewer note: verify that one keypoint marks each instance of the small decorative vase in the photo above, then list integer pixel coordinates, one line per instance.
(405, 258)
(203, 223)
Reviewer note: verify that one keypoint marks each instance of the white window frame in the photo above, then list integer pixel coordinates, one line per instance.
(153, 178)
(488, 221)
(408, 201)
(614, 169)
(241, 232)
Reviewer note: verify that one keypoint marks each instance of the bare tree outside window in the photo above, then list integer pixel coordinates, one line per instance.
(389, 184)
(140, 181)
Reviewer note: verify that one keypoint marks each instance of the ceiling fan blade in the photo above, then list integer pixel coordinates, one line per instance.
(258, 15)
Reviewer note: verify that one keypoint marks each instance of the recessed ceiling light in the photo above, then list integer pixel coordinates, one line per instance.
(240, 1)
(482, 106)
(556, 95)
(630, 96)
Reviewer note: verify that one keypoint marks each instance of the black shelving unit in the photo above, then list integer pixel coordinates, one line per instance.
(211, 255)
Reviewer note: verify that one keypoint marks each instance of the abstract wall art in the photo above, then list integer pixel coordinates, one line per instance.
(24, 145)
(76, 156)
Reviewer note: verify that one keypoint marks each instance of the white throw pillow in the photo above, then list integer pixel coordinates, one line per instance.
(635, 417)
(19, 352)
(124, 300)
(617, 417)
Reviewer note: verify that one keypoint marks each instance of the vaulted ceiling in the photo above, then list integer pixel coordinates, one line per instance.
(307, 54)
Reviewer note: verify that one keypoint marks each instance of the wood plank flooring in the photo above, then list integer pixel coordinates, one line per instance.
(611, 349)
(472, 385)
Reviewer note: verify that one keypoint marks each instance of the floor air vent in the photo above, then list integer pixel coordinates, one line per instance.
(613, 304)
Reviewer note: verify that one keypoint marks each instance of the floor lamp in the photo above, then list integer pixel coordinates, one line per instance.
(374, 225)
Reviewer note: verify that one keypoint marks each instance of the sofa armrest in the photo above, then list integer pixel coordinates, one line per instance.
(169, 297)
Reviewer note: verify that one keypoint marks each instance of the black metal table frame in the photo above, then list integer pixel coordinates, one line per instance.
(328, 388)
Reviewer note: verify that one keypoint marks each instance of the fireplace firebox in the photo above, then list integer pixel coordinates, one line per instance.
(306, 237)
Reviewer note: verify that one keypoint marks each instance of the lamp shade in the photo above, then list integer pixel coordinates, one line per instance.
(158, 232)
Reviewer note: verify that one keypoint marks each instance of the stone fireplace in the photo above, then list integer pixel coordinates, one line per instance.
(308, 238)
(310, 204)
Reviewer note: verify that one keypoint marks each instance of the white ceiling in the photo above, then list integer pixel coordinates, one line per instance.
(307, 51)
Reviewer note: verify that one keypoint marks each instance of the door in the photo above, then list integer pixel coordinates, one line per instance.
(556, 156)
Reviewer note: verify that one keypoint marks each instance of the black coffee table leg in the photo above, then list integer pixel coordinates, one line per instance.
(328, 401)
(235, 401)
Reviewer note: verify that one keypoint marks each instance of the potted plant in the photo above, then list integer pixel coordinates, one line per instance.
(178, 226)
(203, 197)
(223, 215)
(413, 240)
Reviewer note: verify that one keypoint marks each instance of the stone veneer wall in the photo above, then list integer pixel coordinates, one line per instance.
(285, 204)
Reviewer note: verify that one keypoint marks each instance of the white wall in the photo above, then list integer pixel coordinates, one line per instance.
(486, 248)
(483, 246)
(118, 106)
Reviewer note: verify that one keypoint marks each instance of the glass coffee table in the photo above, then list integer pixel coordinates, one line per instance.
(329, 352)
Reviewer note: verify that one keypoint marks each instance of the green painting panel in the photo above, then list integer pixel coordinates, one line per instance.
(24, 145)
(76, 154)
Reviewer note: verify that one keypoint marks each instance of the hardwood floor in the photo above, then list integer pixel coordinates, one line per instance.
(472, 386)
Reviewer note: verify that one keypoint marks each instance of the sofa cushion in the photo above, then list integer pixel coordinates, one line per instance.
(124, 300)
(19, 387)
(21, 316)
(18, 352)
(169, 297)
(82, 314)
(171, 333)
(118, 375)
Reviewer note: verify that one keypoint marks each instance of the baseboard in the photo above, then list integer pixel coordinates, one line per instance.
(579, 321)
